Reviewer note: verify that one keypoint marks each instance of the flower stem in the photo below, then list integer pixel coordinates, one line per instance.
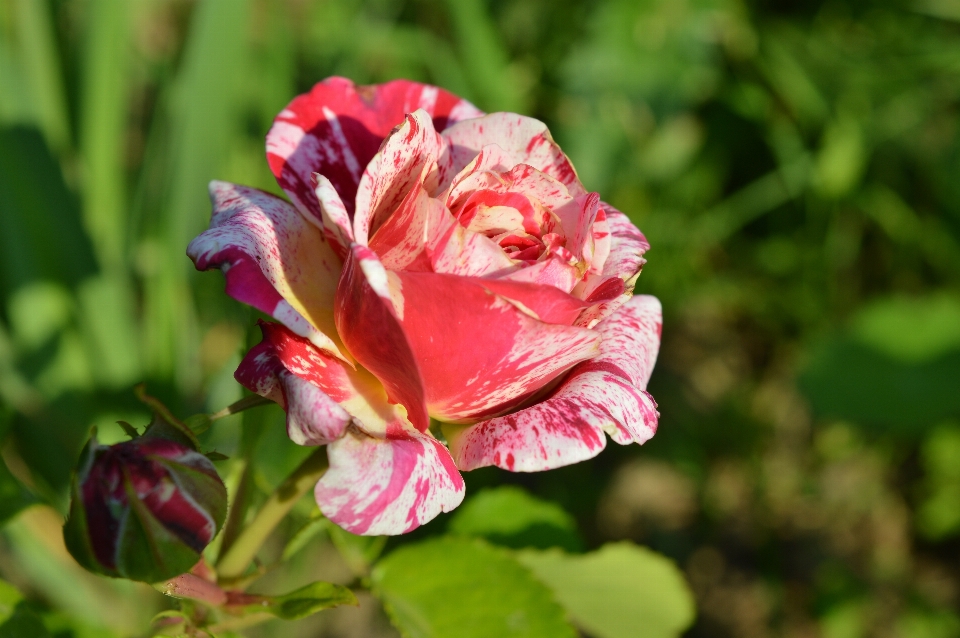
(239, 406)
(234, 562)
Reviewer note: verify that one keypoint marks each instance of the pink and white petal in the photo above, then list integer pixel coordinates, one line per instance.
(387, 486)
(323, 388)
(477, 352)
(627, 246)
(402, 242)
(464, 253)
(600, 232)
(631, 339)
(604, 301)
(337, 127)
(624, 261)
(545, 303)
(606, 394)
(579, 229)
(518, 187)
(422, 235)
(566, 428)
(524, 139)
(336, 223)
(551, 271)
(368, 310)
(394, 170)
(480, 172)
(313, 417)
(548, 435)
(273, 259)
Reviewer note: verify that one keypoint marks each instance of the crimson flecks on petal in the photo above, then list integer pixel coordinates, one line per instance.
(273, 259)
(388, 486)
(337, 128)
(606, 394)
(437, 263)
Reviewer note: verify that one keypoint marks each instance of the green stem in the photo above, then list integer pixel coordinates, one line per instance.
(239, 406)
(234, 562)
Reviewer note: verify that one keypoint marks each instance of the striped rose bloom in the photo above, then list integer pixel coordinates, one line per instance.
(447, 296)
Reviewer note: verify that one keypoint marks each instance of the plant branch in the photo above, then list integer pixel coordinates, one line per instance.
(245, 403)
(234, 562)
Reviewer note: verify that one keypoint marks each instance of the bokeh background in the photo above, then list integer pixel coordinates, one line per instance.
(795, 166)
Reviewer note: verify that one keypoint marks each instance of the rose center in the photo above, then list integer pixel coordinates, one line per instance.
(521, 225)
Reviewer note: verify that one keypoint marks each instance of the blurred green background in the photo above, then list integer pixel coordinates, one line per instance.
(795, 166)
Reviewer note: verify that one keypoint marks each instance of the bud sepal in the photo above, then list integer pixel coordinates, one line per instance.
(145, 509)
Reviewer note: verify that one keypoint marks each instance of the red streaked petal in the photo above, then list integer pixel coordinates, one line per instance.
(337, 127)
(273, 259)
(320, 394)
(524, 140)
(291, 371)
(552, 271)
(465, 253)
(624, 261)
(388, 486)
(476, 351)
(336, 223)
(403, 241)
(369, 324)
(606, 394)
(548, 435)
(394, 170)
(546, 303)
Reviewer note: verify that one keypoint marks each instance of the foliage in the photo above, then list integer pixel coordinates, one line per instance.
(793, 165)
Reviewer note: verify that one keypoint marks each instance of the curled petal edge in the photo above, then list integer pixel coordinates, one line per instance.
(388, 485)
(604, 395)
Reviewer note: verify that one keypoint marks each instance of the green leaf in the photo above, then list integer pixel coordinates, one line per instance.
(148, 552)
(848, 380)
(465, 588)
(911, 330)
(306, 601)
(312, 529)
(511, 517)
(358, 552)
(35, 200)
(198, 423)
(40, 61)
(17, 620)
(619, 591)
(10, 597)
(13, 495)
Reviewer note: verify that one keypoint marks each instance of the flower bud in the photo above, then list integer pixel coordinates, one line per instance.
(144, 509)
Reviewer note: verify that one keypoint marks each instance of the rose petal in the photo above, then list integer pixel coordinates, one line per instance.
(627, 245)
(624, 262)
(313, 418)
(476, 351)
(552, 271)
(273, 260)
(368, 320)
(545, 303)
(320, 394)
(336, 224)
(419, 222)
(394, 170)
(524, 140)
(387, 486)
(465, 253)
(606, 394)
(337, 127)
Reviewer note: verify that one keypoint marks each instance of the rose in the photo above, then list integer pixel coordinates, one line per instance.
(144, 509)
(463, 275)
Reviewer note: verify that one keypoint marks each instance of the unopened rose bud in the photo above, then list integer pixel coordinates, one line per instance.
(144, 509)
